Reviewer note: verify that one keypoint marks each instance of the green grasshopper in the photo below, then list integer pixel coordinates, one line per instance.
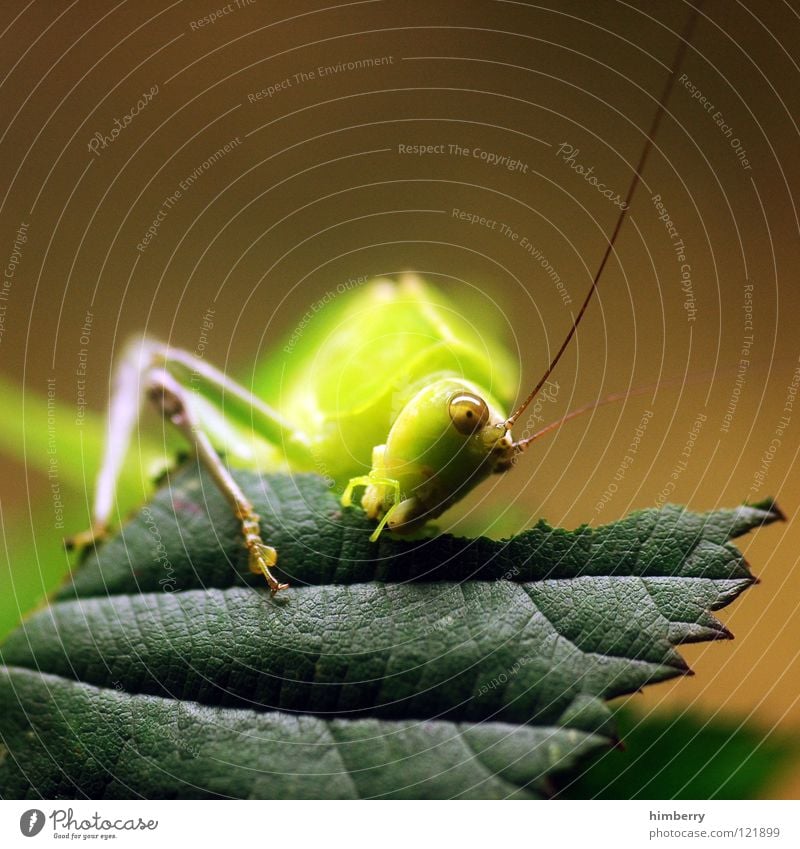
(394, 381)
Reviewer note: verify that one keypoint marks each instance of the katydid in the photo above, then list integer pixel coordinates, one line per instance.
(394, 399)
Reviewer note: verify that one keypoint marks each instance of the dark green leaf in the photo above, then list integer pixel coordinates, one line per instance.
(439, 667)
(73, 740)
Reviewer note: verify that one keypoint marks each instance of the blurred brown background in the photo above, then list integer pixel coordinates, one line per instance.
(316, 191)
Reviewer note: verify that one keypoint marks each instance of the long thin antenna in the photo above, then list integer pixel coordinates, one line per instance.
(573, 414)
(679, 55)
(696, 379)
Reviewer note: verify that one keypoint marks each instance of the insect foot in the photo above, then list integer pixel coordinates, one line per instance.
(87, 539)
(261, 558)
(261, 555)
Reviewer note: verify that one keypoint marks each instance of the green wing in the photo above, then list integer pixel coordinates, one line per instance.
(346, 374)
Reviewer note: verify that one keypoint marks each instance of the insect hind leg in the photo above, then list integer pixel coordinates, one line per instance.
(143, 372)
(170, 397)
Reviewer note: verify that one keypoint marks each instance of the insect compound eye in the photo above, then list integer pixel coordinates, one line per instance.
(468, 412)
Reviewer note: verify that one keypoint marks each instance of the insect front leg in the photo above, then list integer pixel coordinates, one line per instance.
(123, 414)
(382, 496)
(171, 398)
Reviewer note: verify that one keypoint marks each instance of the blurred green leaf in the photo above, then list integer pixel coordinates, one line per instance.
(687, 756)
(47, 436)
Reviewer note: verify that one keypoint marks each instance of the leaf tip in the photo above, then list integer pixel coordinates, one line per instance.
(723, 633)
(718, 632)
(770, 507)
(681, 666)
(676, 663)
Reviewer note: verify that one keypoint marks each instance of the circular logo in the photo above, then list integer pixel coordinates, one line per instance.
(31, 822)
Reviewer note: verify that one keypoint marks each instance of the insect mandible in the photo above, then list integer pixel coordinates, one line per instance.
(420, 403)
